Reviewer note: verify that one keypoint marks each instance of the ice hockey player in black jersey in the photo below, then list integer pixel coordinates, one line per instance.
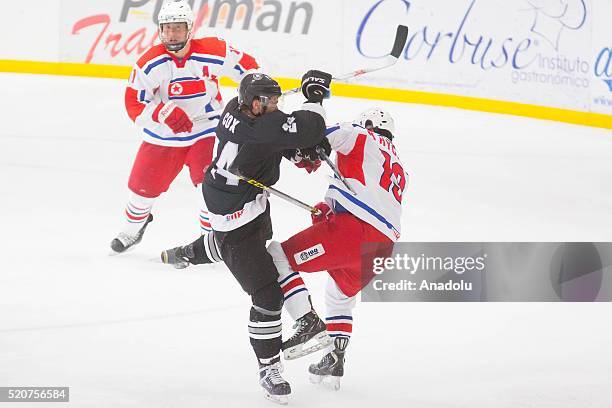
(253, 137)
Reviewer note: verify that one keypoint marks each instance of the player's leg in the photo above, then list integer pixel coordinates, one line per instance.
(265, 331)
(198, 159)
(309, 335)
(203, 250)
(341, 297)
(244, 252)
(152, 172)
(339, 320)
(338, 310)
(205, 227)
(323, 246)
(296, 296)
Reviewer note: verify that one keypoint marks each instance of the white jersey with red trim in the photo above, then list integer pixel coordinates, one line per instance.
(192, 83)
(372, 168)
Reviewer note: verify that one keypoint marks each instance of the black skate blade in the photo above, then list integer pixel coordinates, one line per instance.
(112, 252)
(318, 342)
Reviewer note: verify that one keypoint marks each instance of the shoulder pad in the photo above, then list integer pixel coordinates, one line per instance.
(150, 54)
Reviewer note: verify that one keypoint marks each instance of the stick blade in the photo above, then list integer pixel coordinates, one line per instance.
(401, 36)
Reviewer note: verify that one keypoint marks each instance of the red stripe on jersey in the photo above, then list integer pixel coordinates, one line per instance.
(345, 327)
(133, 107)
(208, 45)
(153, 52)
(351, 165)
(247, 62)
(292, 284)
(186, 88)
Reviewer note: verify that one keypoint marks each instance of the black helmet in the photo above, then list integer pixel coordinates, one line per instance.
(259, 86)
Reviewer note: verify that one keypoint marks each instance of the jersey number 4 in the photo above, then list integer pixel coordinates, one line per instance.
(225, 160)
(393, 178)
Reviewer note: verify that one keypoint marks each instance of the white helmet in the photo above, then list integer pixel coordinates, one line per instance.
(175, 11)
(378, 120)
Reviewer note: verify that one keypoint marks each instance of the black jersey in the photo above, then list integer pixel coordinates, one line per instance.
(253, 148)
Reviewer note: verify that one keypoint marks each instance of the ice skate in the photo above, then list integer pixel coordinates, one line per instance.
(125, 241)
(178, 257)
(275, 387)
(310, 336)
(330, 369)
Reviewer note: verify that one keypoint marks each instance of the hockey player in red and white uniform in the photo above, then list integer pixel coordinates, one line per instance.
(170, 85)
(368, 160)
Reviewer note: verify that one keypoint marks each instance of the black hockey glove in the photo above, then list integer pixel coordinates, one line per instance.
(311, 153)
(315, 85)
(325, 146)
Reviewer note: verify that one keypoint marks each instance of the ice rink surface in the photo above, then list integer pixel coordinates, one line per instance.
(128, 331)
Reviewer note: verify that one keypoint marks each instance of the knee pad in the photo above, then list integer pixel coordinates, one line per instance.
(267, 303)
(276, 251)
(280, 260)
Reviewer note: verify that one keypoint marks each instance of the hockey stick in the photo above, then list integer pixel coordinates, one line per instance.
(401, 36)
(325, 157)
(279, 194)
(207, 116)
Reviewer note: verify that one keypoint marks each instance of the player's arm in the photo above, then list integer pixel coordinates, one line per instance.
(140, 97)
(237, 63)
(304, 127)
(298, 129)
(342, 137)
(144, 106)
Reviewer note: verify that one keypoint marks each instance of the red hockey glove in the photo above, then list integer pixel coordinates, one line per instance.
(173, 116)
(326, 212)
(308, 165)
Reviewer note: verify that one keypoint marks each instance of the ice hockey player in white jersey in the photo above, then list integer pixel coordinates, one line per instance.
(171, 84)
(369, 162)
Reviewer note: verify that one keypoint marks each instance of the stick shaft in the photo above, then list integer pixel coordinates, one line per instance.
(332, 166)
(280, 194)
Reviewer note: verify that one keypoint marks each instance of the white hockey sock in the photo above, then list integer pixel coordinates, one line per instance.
(296, 296)
(339, 311)
(205, 227)
(137, 211)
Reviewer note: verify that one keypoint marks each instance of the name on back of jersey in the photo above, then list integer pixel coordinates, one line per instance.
(230, 122)
(383, 141)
